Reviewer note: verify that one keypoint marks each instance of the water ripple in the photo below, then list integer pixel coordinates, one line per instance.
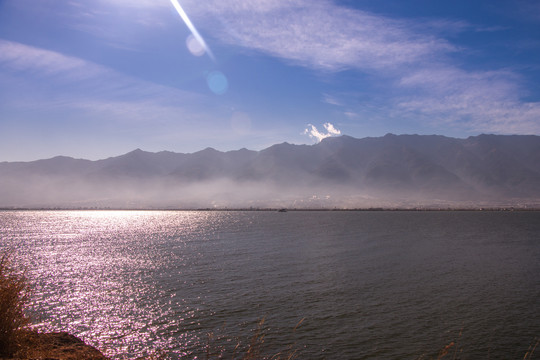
(369, 285)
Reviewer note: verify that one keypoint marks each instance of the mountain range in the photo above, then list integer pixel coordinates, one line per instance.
(400, 171)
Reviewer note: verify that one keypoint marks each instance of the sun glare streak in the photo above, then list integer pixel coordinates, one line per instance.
(192, 28)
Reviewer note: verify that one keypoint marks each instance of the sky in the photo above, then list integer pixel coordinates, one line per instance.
(100, 78)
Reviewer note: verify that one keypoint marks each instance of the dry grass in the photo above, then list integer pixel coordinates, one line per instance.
(452, 351)
(530, 351)
(453, 345)
(13, 299)
(16, 339)
(254, 350)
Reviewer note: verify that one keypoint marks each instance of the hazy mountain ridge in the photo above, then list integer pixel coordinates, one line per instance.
(394, 170)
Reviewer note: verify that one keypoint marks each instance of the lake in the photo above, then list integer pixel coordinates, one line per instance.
(329, 284)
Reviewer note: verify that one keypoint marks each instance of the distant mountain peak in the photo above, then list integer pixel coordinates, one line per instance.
(208, 150)
(335, 138)
(135, 152)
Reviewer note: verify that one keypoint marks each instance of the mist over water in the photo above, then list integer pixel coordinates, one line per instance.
(392, 285)
(228, 194)
(404, 171)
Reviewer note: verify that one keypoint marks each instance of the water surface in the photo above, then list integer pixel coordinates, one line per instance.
(369, 285)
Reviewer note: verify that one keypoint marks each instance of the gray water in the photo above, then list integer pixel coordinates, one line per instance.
(329, 284)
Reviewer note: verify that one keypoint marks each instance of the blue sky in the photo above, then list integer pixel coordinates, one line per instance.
(93, 79)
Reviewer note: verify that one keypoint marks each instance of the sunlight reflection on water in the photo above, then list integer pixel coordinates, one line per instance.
(381, 284)
(96, 278)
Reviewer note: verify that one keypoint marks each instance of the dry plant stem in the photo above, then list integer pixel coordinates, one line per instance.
(456, 347)
(445, 350)
(13, 298)
(530, 351)
(254, 350)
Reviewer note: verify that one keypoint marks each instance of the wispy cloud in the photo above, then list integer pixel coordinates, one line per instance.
(332, 100)
(411, 62)
(118, 23)
(406, 55)
(19, 57)
(314, 133)
(479, 101)
(95, 89)
(320, 34)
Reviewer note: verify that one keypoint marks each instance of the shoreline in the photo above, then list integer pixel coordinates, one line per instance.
(420, 209)
(55, 345)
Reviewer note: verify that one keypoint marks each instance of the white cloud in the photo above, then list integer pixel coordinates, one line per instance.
(122, 24)
(91, 104)
(477, 101)
(351, 114)
(314, 133)
(332, 100)
(60, 81)
(410, 57)
(21, 57)
(407, 58)
(319, 34)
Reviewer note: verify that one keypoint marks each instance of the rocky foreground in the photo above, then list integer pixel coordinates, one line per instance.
(55, 346)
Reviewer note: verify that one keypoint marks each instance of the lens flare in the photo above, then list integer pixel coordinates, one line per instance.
(217, 82)
(192, 28)
(194, 46)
